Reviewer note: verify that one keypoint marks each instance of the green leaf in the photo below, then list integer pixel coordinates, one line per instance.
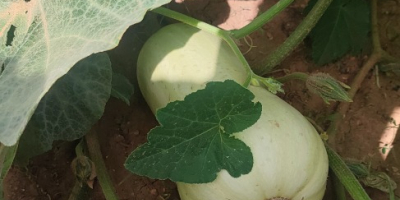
(390, 68)
(194, 141)
(380, 181)
(70, 108)
(48, 39)
(7, 155)
(121, 87)
(342, 29)
(374, 179)
(359, 169)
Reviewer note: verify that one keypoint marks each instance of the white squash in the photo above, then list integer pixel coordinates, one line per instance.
(290, 161)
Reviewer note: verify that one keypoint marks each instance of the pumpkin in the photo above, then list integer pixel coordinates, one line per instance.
(290, 160)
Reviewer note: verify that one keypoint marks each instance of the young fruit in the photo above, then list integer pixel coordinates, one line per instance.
(290, 161)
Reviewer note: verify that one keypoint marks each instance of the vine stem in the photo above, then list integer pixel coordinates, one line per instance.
(259, 21)
(276, 57)
(93, 147)
(376, 56)
(229, 36)
(345, 177)
(225, 35)
(340, 191)
(295, 75)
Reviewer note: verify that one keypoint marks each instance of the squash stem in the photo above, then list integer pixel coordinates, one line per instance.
(276, 57)
(79, 191)
(93, 147)
(340, 191)
(189, 20)
(225, 35)
(345, 176)
(378, 55)
(293, 76)
(262, 19)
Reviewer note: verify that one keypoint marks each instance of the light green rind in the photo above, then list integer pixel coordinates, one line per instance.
(121, 88)
(289, 156)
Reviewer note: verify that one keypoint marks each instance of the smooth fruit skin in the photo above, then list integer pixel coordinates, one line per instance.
(290, 160)
(179, 60)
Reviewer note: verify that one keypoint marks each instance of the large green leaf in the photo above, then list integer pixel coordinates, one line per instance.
(121, 87)
(48, 38)
(70, 108)
(195, 140)
(7, 155)
(342, 29)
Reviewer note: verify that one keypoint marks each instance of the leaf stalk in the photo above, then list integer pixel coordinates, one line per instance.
(293, 76)
(262, 19)
(93, 147)
(378, 54)
(277, 56)
(225, 35)
(345, 176)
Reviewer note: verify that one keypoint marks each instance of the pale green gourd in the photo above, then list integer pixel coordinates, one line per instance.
(290, 161)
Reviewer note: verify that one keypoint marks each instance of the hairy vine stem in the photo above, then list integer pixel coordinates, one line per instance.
(276, 57)
(378, 54)
(295, 75)
(225, 35)
(229, 36)
(345, 177)
(93, 147)
(259, 21)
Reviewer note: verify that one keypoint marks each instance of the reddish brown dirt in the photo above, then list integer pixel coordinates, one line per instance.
(124, 127)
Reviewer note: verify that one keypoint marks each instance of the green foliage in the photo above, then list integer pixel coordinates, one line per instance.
(373, 179)
(67, 112)
(391, 69)
(121, 87)
(48, 38)
(195, 140)
(343, 28)
(7, 155)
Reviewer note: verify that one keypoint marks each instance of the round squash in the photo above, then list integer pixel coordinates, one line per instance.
(290, 161)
